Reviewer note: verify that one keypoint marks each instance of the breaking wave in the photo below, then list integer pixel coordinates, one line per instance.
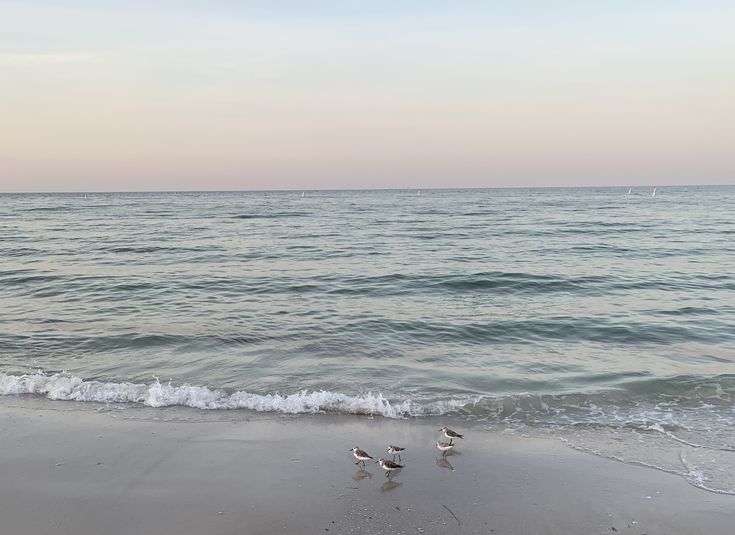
(692, 438)
(69, 388)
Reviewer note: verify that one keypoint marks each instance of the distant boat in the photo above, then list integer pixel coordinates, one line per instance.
(418, 193)
(630, 190)
(653, 193)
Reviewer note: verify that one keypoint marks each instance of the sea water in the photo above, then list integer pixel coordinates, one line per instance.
(602, 318)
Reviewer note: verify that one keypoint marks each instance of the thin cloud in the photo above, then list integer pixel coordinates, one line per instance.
(45, 58)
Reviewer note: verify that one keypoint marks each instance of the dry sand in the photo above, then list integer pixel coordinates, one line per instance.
(72, 469)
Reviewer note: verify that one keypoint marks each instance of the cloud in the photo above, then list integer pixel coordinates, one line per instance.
(46, 58)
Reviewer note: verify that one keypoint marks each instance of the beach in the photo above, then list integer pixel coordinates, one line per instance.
(211, 377)
(244, 243)
(82, 469)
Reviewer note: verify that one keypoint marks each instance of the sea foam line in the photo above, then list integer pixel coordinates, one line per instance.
(70, 388)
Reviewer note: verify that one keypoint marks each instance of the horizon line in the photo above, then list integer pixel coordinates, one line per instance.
(434, 188)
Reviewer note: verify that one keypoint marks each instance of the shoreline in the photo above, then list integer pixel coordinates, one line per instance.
(72, 469)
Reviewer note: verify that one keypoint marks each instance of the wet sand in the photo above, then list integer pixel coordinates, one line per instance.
(68, 469)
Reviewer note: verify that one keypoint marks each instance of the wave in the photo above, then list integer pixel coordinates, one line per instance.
(646, 404)
(270, 215)
(528, 331)
(453, 285)
(582, 421)
(156, 394)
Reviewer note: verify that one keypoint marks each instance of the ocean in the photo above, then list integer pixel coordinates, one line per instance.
(598, 316)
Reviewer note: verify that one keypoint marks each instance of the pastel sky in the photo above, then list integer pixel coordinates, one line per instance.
(213, 94)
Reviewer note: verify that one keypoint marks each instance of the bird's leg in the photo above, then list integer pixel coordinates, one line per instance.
(450, 441)
(358, 462)
(399, 457)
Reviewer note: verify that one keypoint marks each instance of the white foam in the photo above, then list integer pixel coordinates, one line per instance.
(699, 479)
(157, 394)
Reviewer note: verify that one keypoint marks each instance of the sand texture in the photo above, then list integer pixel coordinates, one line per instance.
(89, 470)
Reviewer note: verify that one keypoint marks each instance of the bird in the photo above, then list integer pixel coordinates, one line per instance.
(388, 466)
(450, 434)
(394, 450)
(444, 447)
(360, 455)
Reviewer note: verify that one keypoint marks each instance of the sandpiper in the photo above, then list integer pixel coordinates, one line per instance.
(388, 466)
(444, 446)
(394, 450)
(450, 434)
(360, 455)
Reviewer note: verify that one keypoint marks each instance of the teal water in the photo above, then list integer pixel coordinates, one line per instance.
(562, 307)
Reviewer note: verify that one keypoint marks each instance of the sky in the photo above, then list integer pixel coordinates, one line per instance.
(229, 95)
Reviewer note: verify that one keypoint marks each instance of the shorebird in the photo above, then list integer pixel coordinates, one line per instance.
(388, 466)
(360, 455)
(444, 447)
(394, 450)
(450, 434)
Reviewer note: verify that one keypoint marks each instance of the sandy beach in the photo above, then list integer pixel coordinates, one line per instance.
(240, 241)
(84, 469)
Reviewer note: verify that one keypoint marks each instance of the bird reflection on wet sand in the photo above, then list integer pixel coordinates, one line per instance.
(443, 463)
(390, 485)
(361, 474)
